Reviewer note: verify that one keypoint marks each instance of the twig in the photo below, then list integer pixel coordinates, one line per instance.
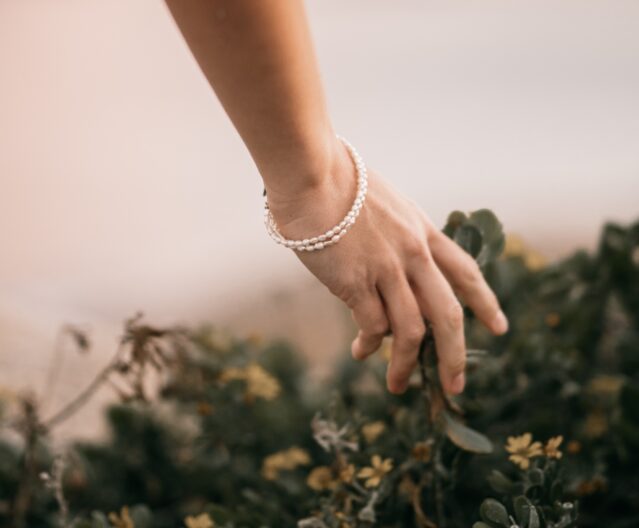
(53, 481)
(30, 430)
(75, 404)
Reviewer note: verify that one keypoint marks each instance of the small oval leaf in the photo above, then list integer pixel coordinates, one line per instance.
(464, 437)
(493, 511)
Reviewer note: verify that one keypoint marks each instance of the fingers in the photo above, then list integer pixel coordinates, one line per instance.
(439, 305)
(408, 328)
(464, 274)
(371, 319)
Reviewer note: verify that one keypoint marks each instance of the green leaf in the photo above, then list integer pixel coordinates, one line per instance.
(455, 220)
(492, 235)
(480, 524)
(493, 511)
(536, 477)
(464, 437)
(533, 520)
(500, 482)
(525, 512)
(470, 239)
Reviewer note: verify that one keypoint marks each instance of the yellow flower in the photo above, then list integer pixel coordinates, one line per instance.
(201, 521)
(372, 430)
(321, 478)
(551, 448)
(284, 460)
(522, 449)
(515, 247)
(347, 474)
(422, 451)
(376, 472)
(259, 383)
(123, 520)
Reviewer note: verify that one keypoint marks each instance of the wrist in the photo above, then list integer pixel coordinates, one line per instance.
(302, 166)
(319, 200)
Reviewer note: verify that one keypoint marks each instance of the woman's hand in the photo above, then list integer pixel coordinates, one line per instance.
(393, 269)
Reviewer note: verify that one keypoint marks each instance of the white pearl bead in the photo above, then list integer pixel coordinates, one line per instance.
(334, 234)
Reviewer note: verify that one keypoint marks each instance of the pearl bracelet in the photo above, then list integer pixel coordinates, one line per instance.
(333, 235)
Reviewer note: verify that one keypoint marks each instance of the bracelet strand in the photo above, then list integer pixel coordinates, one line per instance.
(333, 235)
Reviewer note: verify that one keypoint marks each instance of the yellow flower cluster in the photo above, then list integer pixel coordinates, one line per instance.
(283, 461)
(321, 478)
(259, 383)
(123, 519)
(522, 449)
(515, 247)
(201, 521)
(324, 478)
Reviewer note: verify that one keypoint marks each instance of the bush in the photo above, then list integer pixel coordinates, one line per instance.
(545, 435)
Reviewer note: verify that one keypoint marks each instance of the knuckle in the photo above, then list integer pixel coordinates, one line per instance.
(391, 269)
(413, 334)
(415, 247)
(457, 365)
(455, 316)
(378, 327)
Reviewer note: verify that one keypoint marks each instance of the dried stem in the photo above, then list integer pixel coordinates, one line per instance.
(30, 430)
(435, 401)
(83, 397)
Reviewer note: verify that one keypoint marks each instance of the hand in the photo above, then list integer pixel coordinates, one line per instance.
(393, 269)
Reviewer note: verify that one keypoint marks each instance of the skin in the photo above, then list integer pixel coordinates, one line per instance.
(394, 269)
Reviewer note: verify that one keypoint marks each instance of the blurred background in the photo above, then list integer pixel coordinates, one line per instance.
(124, 187)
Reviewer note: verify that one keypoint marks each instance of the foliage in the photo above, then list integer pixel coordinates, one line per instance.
(546, 434)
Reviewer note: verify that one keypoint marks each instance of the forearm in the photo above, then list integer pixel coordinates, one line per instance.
(259, 59)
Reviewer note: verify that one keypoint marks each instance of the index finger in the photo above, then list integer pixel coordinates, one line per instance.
(465, 276)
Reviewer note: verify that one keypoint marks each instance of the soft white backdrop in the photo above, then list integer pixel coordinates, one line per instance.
(123, 185)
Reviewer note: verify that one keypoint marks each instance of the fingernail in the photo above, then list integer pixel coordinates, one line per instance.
(500, 323)
(458, 382)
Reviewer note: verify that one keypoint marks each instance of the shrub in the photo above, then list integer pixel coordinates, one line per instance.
(545, 435)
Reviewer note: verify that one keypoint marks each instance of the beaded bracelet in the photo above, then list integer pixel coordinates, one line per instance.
(333, 235)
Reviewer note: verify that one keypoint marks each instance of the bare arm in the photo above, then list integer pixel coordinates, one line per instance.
(258, 57)
(394, 268)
